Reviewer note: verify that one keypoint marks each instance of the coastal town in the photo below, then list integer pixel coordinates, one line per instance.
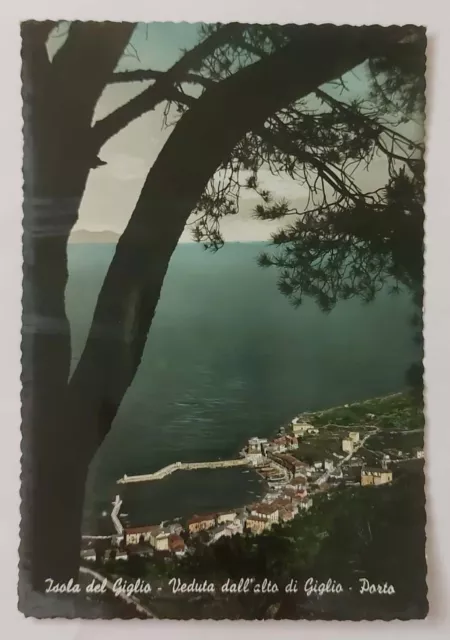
(303, 460)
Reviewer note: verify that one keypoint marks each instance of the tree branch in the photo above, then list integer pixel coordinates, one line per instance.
(160, 90)
(86, 61)
(141, 75)
(202, 140)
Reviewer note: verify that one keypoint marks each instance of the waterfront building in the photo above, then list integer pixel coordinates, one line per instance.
(347, 445)
(299, 428)
(226, 516)
(201, 523)
(254, 445)
(266, 511)
(257, 525)
(135, 535)
(254, 458)
(293, 465)
(375, 476)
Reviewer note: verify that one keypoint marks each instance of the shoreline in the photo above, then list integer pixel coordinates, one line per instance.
(272, 492)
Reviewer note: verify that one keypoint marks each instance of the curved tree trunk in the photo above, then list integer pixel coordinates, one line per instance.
(58, 105)
(201, 141)
(76, 418)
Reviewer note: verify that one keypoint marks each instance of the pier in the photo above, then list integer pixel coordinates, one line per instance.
(183, 466)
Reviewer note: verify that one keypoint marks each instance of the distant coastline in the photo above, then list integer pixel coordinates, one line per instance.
(83, 236)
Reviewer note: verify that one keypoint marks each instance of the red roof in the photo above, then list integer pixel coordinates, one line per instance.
(145, 529)
(266, 508)
(176, 542)
(281, 502)
(203, 518)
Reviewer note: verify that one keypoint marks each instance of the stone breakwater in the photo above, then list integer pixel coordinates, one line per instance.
(182, 466)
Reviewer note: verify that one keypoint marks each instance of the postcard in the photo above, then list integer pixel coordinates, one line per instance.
(222, 321)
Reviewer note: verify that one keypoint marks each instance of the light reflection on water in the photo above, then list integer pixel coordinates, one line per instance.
(227, 357)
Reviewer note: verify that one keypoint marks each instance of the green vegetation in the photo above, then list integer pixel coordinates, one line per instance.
(377, 533)
(398, 418)
(396, 411)
(373, 532)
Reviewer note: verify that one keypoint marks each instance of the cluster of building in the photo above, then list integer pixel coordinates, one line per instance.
(218, 525)
(161, 537)
(369, 475)
(288, 479)
(274, 508)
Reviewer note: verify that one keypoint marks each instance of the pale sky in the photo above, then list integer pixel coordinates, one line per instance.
(114, 188)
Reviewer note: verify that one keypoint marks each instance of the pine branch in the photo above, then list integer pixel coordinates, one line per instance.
(162, 89)
(142, 75)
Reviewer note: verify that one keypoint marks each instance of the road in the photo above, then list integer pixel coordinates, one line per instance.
(324, 477)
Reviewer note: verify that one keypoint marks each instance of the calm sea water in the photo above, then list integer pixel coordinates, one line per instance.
(227, 358)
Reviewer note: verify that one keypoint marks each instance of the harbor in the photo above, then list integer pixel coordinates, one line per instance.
(182, 466)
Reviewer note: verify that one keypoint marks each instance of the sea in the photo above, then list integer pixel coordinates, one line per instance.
(227, 357)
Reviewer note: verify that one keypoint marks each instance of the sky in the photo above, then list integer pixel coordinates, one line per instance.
(113, 189)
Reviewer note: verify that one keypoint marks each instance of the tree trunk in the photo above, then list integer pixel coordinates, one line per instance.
(65, 425)
(59, 99)
(203, 139)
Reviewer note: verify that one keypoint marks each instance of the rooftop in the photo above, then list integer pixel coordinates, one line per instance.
(255, 519)
(201, 518)
(266, 508)
(151, 528)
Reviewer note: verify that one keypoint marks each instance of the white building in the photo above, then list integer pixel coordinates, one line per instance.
(135, 535)
(219, 532)
(226, 516)
(254, 458)
(347, 445)
(299, 427)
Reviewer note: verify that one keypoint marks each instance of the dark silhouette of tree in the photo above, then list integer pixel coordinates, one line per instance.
(255, 84)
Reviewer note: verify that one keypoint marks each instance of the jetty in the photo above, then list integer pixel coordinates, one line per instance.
(183, 466)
